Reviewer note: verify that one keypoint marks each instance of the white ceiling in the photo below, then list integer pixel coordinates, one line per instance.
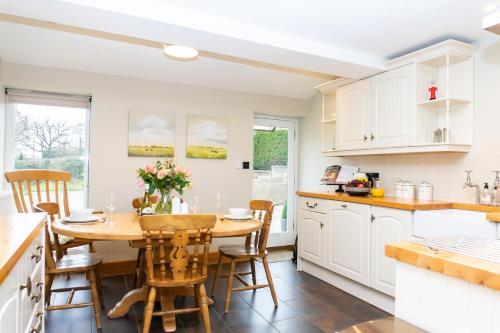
(347, 38)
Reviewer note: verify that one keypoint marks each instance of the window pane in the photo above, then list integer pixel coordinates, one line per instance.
(53, 137)
(270, 172)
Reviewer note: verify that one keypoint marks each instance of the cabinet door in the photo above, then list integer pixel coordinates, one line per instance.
(353, 115)
(311, 236)
(9, 315)
(348, 241)
(393, 114)
(388, 226)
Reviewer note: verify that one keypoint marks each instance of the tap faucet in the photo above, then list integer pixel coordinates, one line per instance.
(468, 183)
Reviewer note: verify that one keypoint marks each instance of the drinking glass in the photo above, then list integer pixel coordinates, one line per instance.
(110, 205)
(217, 204)
(195, 207)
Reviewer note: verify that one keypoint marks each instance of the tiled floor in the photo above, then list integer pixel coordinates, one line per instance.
(306, 305)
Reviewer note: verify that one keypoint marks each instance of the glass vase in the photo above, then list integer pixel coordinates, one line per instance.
(164, 205)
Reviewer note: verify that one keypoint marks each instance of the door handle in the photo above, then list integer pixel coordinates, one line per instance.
(311, 206)
(372, 137)
(365, 138)
(27, 286)
(321, 225)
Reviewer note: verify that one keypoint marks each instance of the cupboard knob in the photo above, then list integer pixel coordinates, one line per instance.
(321, 225)
(372, 137)
(365, 137)
(37, 255)
(27, 286)
(343, 206)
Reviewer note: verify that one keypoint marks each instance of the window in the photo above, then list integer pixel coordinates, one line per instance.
(49, 131)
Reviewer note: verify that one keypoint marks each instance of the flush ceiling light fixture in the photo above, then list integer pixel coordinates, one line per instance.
(180, 52)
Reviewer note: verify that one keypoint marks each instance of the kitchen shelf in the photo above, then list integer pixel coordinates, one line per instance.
(441, 102)
(421, 149)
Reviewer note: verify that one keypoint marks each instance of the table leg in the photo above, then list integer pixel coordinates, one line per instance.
(122, 307)
(167, 304)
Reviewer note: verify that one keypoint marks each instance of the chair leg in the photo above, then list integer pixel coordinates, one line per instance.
(140, 272)
(270, 280)
(254, 275)
(203, 304)
(229, 286)
(217, 273)
(91, 247)
(49, 279)
(99, 284)
(95, 298)
(137, 268)
(148, 310)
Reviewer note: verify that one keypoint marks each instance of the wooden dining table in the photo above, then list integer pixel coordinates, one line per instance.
(125, 226)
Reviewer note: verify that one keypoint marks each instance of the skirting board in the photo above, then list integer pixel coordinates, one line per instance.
(354, 288)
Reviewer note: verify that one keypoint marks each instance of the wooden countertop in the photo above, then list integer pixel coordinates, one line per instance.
(398, 203)
(17, 232)
(390, 202)
(470, 269)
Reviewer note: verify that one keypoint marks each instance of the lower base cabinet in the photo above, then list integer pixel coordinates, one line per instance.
(388, 226)
(349, 239)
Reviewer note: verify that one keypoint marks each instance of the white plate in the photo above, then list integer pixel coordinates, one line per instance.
(91, 218)
(242, 217)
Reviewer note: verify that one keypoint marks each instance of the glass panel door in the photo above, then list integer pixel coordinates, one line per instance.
(274, 173)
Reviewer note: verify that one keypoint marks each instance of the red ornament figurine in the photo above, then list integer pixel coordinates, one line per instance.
(432, 91)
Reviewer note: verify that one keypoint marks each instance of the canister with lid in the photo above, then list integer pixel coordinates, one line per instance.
(398, 189)
(408, 190)
(424, 191)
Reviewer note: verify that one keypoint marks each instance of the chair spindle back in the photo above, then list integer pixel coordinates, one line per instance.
(30, 182)
(167, 241)
(261, 210)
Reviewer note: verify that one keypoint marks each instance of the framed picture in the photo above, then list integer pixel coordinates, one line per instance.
(151, 134)
(206, 137)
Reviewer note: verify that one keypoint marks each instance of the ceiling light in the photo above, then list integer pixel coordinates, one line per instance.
(180, 52)
(490, 7)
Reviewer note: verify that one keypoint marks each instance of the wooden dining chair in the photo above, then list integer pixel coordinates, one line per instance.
(31, 186)
(170, 264)
(88, 263)
(249, 252)
(140, 245)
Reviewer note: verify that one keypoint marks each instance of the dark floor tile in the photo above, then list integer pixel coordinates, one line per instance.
(296, 325)
(192, 323)
(362, 311)
(262, 302)
(247, 321)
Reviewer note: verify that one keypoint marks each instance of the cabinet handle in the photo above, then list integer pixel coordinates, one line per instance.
(311, 206)
(321, 225)
(38, 327)
(38, 297)
(372, 137)
(365, 138)
(372, 218)
(37, 255)
(27, 286)
(343, 206)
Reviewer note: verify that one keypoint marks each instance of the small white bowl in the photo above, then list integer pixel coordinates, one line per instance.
(238, 211)
(81, 213)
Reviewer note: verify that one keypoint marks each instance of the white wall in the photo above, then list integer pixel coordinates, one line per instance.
(444, 171)
(112, 171)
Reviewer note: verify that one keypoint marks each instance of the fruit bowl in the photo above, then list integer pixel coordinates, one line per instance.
(357, 191)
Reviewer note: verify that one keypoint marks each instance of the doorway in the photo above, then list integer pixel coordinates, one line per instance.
(274, 146)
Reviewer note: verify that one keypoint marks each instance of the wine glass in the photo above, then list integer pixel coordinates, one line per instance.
(195, 207)
(110, 205)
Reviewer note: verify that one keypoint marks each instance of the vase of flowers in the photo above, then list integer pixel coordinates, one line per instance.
(165, 177)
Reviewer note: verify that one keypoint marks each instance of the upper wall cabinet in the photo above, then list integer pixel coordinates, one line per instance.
(423, 103)
(353, 115)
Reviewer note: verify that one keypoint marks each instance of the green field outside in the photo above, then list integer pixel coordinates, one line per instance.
(151, 151)
(206, 152)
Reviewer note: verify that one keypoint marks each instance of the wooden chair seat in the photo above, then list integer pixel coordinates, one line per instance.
(75, 263)
(240, 251)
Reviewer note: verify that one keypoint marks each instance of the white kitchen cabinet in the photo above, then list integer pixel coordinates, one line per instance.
(353, 115)
(393, 115)
(388, 226)
(348, 240)
(312, 236)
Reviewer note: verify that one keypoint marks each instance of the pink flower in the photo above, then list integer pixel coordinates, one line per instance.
(187, 172)
(161, 174)
(149, 168)
(154, 171)
(140, 182)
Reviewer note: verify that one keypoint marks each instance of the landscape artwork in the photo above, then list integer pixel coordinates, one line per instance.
(206, 137)
(151, 134)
